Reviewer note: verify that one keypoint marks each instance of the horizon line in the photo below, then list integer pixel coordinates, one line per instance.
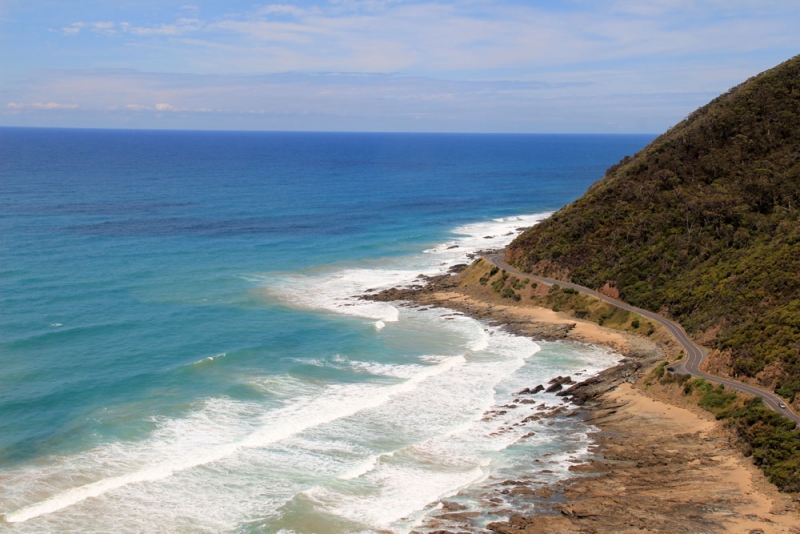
(379, 132)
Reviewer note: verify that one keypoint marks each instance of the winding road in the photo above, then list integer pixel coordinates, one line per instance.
(695, 354)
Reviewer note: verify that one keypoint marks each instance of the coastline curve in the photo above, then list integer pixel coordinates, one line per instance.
(695, 354)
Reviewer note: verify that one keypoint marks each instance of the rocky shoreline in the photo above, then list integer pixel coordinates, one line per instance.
(657, 467)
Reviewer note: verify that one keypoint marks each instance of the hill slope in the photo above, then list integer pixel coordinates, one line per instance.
(701, 225)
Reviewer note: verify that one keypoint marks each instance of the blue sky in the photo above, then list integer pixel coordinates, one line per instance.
(382, 65)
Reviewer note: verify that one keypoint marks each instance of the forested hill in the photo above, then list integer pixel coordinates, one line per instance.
(701, 225)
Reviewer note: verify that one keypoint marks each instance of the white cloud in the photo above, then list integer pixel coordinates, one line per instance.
(73, 29)
(285, 9)
(105, 27)
(441, 52)
(368, 5)
(41, 105)
(168, 107)
(179, 27)
(429, 37)
(376, 102)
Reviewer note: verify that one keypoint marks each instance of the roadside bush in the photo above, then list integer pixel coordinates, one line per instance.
(771, 439)
(516, 283)
(509, 293)
(500, 283)
(717, 399)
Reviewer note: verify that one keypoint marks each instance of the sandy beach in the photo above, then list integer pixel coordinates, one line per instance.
(661, 463)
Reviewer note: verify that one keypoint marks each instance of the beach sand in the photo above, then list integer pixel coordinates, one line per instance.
(583, 331)
(661, 468)
(661, 464)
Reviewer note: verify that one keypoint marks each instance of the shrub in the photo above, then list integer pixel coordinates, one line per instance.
(509, 293)
(717, 399)
(771, 439)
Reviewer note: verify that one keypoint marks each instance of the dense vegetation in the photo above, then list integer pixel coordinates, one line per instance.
(702, 225)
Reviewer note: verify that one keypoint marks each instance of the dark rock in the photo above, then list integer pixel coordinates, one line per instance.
(457, 268)
(449, 506)
(555, 387)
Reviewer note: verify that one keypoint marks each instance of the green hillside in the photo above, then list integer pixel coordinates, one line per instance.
(702, 226)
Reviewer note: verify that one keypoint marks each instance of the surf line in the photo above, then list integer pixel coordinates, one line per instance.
(265, 436)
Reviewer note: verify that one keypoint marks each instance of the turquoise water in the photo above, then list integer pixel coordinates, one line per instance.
(180, 346)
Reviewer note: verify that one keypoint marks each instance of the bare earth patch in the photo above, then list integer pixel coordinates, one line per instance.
(662, 469)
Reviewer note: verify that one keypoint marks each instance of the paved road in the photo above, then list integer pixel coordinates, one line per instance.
(695, 354)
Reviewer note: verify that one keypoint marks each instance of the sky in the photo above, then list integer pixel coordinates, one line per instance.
(505, 66)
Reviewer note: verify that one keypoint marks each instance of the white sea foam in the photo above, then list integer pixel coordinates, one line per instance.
(208, 359)
(450, 441)
(361, 468)
(438, 444)
(344, 363)
(377, 452)
(336, 289)
(339, 402)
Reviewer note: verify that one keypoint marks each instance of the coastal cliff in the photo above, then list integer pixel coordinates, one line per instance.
(702, 225)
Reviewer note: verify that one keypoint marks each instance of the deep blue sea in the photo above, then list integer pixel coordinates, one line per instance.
(181, 349)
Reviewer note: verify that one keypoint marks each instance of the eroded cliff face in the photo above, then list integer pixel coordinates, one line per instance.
(703, 225)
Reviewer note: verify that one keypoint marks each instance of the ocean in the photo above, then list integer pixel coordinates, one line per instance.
(181, 349)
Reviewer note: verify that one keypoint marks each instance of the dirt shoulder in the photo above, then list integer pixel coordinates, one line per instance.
(662, 465)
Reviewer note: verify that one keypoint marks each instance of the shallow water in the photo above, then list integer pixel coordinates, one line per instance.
(180, 346)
